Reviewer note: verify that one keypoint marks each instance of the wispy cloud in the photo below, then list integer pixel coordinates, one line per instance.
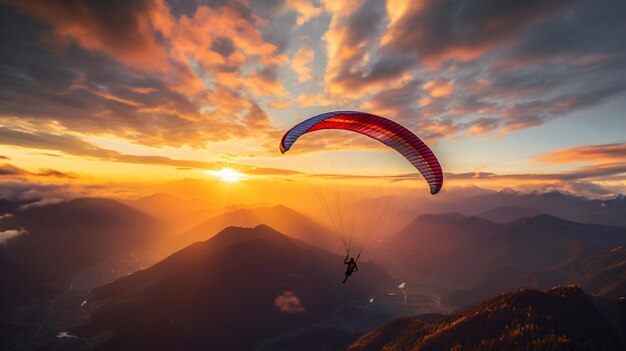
(72, 145)
(12, 171)
(288, 302)
(606, 153)
(158, 74)
(301, 63)
(306, 10)
(9, 234)
(156, 79)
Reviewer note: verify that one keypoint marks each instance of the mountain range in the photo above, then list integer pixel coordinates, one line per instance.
(508, 205)
(59, 239)
(235, 289)
(282, 218)
(487, 258)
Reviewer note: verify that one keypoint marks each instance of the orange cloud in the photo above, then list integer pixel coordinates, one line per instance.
(438, 88)
(279, 104)
(351, 71)
(605, 153)
(305, 9)
(194, 37)
(301, 61)
(483, 126)
(185, 82)
(129, 37)
(318, 99)
(262, 85)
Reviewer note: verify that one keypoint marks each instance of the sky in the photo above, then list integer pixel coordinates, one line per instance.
(117, 97)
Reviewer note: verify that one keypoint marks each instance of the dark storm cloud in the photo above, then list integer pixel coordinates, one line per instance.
(86, 67)
(588, 30)
(125, 28)
(512, 64)
(396, 102)
(84, 92)
(349, 38)
(224, 46)
(439, 30)
(568, 63)
(48, 172)
(10, 170)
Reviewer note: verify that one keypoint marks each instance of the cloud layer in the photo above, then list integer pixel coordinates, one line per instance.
(209, 75)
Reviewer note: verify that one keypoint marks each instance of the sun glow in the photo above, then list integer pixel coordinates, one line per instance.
(227, 175)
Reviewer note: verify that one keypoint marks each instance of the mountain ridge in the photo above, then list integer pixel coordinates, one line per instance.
(562, 317)
(210, 287)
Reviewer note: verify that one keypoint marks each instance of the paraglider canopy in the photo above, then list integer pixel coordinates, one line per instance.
(358, 207)
(384, 130)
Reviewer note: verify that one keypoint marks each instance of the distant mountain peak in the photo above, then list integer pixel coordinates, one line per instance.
(547, 217)
(554, 193)
(261, 229)
(277, 217)
(508, 191)
(226, 294)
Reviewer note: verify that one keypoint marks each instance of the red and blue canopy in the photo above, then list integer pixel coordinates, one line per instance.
(384, 130)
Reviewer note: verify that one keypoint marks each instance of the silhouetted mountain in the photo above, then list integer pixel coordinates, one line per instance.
(487, 258)
(226, 293)
(544, 240)
(18, 284)
(193, 219)
(284, 219)
(62, 238)
(443, 232)
(506, 214)
(539, 252)
(563, 205)
(604, 274)
(429, 239)
(563, 318)
(166, 207)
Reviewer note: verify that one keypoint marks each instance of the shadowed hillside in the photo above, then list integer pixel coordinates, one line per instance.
(241, 286)
(506, 214)
(62, 238)
(167, 208)
(563, 318)
(426, 244)
(488, 258)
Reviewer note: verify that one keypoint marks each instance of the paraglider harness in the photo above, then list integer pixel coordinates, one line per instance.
(352, 265)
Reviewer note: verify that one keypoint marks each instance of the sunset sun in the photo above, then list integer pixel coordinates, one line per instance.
(227, 175)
